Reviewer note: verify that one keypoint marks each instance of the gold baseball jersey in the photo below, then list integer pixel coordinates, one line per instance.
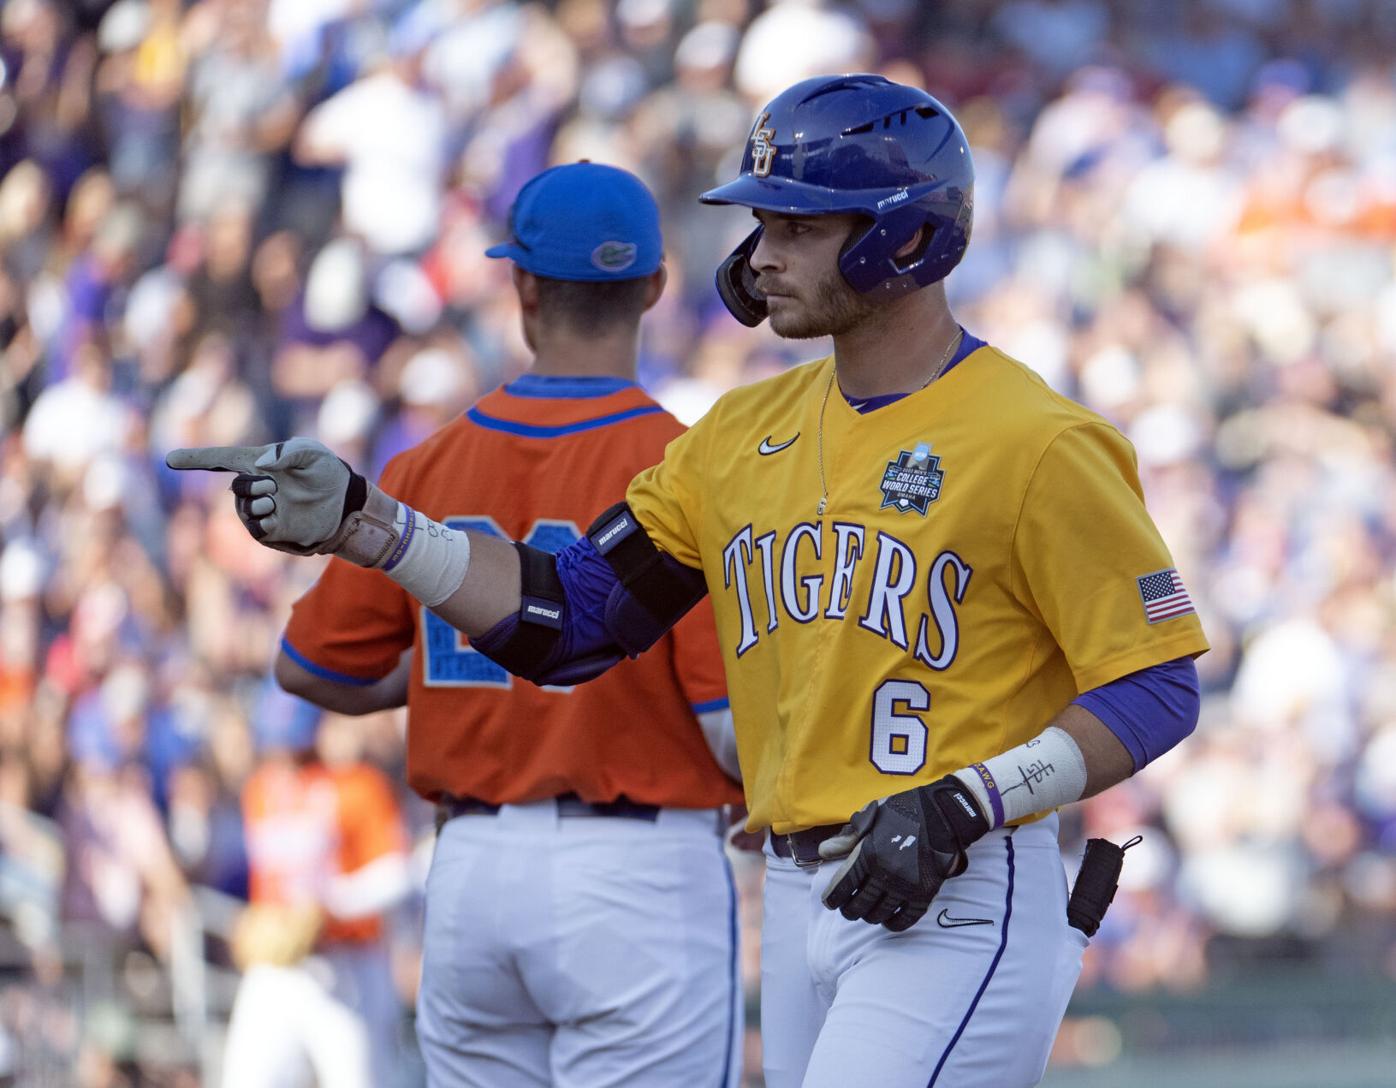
(984, 557)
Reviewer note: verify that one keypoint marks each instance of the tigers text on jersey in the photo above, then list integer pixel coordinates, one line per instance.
(536, 461)
(978, 565)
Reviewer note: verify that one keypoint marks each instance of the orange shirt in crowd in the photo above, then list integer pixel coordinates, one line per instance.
(307, 823)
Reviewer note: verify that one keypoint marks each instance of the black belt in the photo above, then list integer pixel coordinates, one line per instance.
(569, 804)
(802, 847)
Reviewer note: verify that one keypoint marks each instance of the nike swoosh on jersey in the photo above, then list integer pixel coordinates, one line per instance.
(945, 921)
(766, 449)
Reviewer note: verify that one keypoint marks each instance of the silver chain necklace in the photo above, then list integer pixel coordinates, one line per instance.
(824, 404)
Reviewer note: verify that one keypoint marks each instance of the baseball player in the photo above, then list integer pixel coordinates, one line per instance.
(327, 855)
(579, 911)
(943, 608)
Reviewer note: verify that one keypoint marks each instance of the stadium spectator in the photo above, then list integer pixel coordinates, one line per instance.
(327, 859)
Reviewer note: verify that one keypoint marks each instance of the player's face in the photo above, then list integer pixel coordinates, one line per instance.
(797, 268)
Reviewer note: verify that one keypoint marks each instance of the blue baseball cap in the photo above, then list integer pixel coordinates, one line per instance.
(584, 221)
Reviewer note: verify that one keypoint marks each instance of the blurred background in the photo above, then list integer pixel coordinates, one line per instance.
(227, 221)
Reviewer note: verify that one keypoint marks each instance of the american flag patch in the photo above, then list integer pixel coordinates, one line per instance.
(1164, 596)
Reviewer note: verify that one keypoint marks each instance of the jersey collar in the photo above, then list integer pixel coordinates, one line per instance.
(568, 386)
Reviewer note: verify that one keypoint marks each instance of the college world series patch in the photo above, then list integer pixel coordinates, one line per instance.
(912, 481)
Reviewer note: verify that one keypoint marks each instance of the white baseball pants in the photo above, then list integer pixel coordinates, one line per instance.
(580, 952)
(330, 1020)
(969, 997)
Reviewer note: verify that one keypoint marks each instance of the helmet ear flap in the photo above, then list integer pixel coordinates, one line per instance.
(736, 283)
(869, 258)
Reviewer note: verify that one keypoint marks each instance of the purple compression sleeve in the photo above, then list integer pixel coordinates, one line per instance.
(1150, 710)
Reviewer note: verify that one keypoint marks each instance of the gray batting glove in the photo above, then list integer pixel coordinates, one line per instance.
(298, 497)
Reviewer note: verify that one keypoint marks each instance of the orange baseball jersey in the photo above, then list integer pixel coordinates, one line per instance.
(306, 824)
(535, 460)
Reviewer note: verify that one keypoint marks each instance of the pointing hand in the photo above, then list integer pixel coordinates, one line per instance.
(298, 497)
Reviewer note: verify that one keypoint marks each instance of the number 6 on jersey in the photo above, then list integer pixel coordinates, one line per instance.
(899, 739)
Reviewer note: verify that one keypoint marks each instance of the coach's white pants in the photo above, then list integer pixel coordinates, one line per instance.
(330, 1020)
(969, 997)
(580, 952)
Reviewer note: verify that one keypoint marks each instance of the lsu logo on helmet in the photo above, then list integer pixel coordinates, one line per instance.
(763, 151)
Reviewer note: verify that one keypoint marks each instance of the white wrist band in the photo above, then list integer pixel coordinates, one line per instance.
(1037, 776)
(429, 560)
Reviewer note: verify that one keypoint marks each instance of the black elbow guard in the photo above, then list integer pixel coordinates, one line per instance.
(652, 591)
(523, 642)
(655, 590)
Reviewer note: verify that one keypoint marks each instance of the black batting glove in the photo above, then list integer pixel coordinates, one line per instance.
(898, 851)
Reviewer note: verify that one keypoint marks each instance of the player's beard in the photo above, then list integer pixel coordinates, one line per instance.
(830, 308)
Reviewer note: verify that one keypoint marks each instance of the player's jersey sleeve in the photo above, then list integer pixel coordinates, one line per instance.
(353, 624)
(1083, 552)
(668, 498)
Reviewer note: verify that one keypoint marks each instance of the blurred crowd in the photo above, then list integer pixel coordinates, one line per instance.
(227, 221)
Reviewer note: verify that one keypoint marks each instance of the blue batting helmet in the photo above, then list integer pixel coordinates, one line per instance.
(856, 143)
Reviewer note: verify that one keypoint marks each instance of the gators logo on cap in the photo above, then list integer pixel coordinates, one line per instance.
(614, 256)
(763, 152)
